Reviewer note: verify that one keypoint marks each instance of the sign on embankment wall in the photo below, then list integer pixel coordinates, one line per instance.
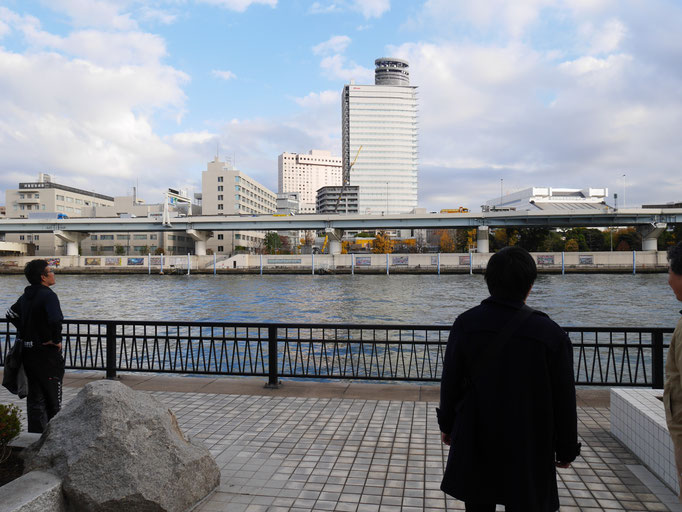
(548, 262)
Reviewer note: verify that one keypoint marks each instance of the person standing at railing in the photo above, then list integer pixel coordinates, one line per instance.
(507, 407)
(672, 391)
(38, 319)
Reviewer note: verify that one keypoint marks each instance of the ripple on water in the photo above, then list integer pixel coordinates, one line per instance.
(576, 299)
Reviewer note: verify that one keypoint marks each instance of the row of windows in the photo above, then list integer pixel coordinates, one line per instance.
(29, 238)
(29, 207)
(123, 237)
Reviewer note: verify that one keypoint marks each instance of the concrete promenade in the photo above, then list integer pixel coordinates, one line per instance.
(360, 447)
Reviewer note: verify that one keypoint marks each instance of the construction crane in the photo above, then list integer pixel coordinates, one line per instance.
(346, 181)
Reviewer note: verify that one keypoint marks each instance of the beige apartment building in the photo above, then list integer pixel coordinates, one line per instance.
(306, 174)
(48, 199)
(228, 191)
(45, 198)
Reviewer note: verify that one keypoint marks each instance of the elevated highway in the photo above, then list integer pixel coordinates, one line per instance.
(650, 221)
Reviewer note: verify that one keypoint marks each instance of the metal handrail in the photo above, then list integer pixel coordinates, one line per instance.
(603, 356)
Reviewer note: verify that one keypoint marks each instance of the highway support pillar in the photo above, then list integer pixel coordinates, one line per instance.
(650, 234)
(334, 242)
(199, 238)
(72, 239)
(482, 243)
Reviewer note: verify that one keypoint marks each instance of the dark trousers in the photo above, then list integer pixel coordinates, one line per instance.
(44, 391)
(479, 507)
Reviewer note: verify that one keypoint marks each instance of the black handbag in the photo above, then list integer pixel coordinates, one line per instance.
(14, 376)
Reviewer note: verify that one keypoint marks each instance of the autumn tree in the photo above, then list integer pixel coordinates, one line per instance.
(382, 243)
(447, 244)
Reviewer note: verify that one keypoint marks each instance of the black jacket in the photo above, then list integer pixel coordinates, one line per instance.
(519, 417)
(37, 315)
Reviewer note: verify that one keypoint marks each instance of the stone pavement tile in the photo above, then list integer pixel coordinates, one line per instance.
(292, 453)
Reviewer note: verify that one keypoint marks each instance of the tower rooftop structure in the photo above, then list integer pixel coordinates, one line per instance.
(391, 71)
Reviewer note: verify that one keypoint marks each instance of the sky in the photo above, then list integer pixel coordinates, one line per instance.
(106, 95)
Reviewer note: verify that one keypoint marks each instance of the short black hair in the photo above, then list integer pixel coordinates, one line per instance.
(34, 269)
(511, 273)
(675, 258)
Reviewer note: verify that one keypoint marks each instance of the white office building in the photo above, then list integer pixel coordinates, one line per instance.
(551, 199)
(306, 174)
(382, 120)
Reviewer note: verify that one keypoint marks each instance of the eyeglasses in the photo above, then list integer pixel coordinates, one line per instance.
(48, 271)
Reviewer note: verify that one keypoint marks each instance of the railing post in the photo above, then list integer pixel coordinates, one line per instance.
(657, 376)
(111, 350)
(273, 382)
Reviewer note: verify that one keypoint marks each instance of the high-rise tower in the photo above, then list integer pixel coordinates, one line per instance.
(382, 119)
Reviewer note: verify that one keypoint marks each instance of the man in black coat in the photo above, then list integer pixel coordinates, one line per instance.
(38, 318)
(507, 406)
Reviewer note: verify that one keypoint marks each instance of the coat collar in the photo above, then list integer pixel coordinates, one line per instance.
(510, 303)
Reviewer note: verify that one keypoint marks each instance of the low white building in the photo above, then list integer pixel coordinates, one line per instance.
(549, 198)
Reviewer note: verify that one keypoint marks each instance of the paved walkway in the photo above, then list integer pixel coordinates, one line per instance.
(359, 447)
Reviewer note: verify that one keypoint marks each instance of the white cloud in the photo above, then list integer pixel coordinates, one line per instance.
(238, 5)
(607, 38)
(338, 67)
(318, 8)
(320, 98)
(511, 18)
(335, 44)
(95, 13)
(372, 8)
(225, 75)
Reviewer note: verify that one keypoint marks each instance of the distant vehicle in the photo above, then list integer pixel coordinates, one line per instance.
(47, 215)
(461, 209)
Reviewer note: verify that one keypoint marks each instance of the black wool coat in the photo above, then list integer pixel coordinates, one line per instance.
(517, 418)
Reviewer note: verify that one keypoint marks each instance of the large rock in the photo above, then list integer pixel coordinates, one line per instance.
(117, 449)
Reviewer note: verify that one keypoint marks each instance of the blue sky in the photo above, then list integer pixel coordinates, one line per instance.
(105, 94)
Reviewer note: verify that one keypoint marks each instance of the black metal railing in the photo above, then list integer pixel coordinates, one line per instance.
(617, 356)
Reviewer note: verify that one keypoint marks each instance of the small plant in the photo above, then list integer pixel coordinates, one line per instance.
(10, 426)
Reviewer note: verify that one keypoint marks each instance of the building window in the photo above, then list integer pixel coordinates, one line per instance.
(21, 237)
(220, 198)
(93, 237)
(60, 198)
(152, 237)
(220, 237)
(106, 237)
(37, 237)
(122, 237)
(69, 199)
(220, 179)
(220, 248)
(220, 188)
(139, 237)
(220, 207)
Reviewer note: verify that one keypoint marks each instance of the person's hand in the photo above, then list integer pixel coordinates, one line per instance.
(58, 345)
(563, 465)
(445, 438)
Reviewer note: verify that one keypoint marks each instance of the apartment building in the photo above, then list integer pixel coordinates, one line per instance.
(228, 191)
(48, 199)
(341, 200)
(306, 174)
(43, 198)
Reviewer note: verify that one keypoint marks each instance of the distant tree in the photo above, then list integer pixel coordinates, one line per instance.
(285, 246)
(119, 250)
(382, 243)
(209, 252)
(159, 251)
(627, 239)
(272, 242)
(447, 244)
(571, 245)
(531, 239)
(144, 250)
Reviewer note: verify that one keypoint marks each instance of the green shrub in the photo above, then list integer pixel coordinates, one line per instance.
(10, 426)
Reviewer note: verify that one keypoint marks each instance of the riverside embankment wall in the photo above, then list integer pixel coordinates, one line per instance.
(548, 262)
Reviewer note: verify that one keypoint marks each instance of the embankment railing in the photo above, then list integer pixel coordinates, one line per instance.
(603, 356)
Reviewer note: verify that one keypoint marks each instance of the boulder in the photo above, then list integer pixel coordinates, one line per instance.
(119, 449)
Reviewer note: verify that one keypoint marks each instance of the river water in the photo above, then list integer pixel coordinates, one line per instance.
(604, 300)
